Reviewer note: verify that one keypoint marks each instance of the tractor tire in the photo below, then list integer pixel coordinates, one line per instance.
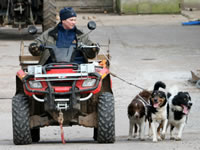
(106, 118)
(49, 14)
(95, 134)
(35, 135)
(21, 120)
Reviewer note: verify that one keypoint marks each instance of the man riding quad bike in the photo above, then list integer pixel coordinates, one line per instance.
(61, 93)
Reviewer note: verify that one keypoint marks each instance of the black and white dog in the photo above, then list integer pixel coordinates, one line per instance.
(158, 111)
(178, 110)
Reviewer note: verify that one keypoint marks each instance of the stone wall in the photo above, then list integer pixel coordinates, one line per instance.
(148, 6)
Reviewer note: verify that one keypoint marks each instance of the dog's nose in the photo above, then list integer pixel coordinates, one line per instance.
(137, 115)
(155, 100)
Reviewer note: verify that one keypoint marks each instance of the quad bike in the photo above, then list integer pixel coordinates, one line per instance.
(62, 94)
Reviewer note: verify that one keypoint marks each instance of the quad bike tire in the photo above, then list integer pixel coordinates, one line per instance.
(106, 119)
(21, 120)
(35, 135)
(49, 14)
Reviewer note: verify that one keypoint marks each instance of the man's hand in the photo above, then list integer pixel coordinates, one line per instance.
(91, 52)
(34, 49)
(97, 48)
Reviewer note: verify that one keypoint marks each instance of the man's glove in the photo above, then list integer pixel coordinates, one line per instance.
(91, 52)
(97, 48)
(35, 50)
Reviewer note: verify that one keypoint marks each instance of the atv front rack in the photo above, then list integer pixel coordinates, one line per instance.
(84, 71)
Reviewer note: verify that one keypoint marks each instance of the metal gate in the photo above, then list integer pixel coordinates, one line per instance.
(100, 6)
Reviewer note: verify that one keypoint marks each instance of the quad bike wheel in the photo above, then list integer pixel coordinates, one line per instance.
(35, 135)
(49, 14)
(106, 119)
(20, 119)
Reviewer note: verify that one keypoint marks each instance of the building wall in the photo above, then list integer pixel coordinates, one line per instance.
(148, 6)
(87, 5)
(130, 6)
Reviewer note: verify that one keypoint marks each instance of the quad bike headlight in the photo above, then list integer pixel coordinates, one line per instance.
(35, 84)
(89, 82)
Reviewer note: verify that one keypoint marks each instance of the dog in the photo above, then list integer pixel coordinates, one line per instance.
(178, 109)
(158, 111)
(139, 110)
(137, 113)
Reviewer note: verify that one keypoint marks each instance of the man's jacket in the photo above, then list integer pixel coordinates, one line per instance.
(49, 37)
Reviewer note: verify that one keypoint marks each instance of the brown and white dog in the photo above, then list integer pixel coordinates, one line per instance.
(178, 108)
(137, 113)
(158, 111)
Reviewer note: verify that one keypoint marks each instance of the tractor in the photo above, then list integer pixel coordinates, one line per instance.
(28, 13)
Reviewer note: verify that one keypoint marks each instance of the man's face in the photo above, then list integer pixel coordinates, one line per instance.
(69, 23)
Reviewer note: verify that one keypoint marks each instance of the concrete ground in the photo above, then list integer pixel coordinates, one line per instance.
(144, 49)
(191, 15)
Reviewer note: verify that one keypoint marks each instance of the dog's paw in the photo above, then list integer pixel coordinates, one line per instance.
(130, 138)
(142, 139)
(178, 139)
(150, 134)
(162, 136)
(155, 140)
(159, 138)
(172, 138)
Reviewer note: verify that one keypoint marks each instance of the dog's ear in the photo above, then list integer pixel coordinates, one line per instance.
(145, 94)
(130, 110)
(168, 95)
(188, 95)
(180, 93)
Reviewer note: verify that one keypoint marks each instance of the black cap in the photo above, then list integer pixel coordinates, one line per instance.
(67, 12)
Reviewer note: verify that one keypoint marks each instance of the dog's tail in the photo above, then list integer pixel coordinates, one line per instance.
(159, 84)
